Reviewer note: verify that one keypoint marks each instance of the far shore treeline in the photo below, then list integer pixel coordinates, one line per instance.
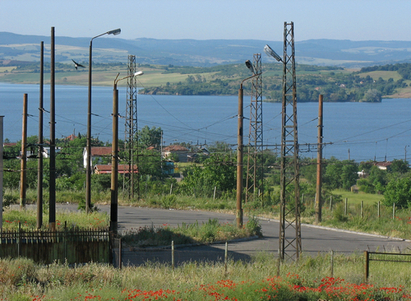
(336, 84)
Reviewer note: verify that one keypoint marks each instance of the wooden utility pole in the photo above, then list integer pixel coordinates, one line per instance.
(40, 142)
(52, 185)
(239, 209)
(319, 158)
(23, 155)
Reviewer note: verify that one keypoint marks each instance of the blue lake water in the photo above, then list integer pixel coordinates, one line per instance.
(359, 131)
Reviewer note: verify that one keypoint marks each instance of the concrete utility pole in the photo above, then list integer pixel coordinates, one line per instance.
(23, 164)
(40, 142)
(318, 205)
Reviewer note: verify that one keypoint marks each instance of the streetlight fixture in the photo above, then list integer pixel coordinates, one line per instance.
(270, 52)
(114, 158)
(88, 147)
(239, 210)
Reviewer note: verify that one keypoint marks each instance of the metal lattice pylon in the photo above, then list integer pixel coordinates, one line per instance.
(290, 221)
(254, 182)
(131, 127)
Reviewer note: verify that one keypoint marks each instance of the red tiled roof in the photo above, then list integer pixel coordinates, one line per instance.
(106, 169)
(101, 151)
(175, 148)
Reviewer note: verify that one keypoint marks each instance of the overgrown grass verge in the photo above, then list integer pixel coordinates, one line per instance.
(309, 279)
(209, 232)
(387, 223)
(27, 219)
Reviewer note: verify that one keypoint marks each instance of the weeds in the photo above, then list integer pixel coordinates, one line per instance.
(253, 280)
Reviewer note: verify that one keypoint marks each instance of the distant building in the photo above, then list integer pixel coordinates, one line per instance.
(106, 169)
(178, 150)
(97, 152)
(383, 165)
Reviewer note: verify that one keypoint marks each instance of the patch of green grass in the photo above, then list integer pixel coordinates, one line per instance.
(356, 198)
(208, 232)
(27, 219)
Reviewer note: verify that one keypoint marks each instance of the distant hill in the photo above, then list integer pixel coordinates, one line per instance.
(187, 52)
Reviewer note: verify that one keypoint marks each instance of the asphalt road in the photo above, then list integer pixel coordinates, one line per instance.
(314, 239)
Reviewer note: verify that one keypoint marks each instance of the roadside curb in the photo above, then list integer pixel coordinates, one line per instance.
(340, 230)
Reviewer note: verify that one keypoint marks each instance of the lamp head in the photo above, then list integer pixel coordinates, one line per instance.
(270, 52)
(138, 73)
(250, 66)
(114, 32)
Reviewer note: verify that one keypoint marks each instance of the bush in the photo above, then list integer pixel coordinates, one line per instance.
(339, 213)
(168, 201)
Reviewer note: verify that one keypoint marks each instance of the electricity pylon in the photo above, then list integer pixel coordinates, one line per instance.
(131, 126)
(254, 182)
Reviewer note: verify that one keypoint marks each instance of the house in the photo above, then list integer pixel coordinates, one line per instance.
(97, 153)
(175, 150)
(46, 151)
(106, 169)
(383, 165)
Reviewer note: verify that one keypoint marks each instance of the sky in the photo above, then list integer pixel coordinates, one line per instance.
(211, 19)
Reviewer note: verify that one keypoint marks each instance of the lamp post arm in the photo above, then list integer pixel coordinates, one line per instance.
(254, 75)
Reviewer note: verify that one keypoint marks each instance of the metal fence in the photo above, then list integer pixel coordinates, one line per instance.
(384, 257)
(70, 245)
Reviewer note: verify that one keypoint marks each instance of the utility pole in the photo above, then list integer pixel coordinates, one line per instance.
(40, 142)
(52, 185)
(1, 171)
(23, 164)
(239, 209)
(318, 205)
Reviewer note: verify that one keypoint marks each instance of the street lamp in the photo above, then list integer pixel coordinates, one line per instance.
(114, 156)
(239, 210)
(270, 52)
(88, 148)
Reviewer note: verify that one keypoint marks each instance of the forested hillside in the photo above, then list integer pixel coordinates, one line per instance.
(335, 83)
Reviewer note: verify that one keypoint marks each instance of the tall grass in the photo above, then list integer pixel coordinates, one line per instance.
(309, 279)
(28, 219)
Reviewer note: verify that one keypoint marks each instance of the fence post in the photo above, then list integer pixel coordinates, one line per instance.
(225, 257)
(120, 254)
(172, 254)
(362, 209)
(278, 263)
(19, 241)
(378, 211)
(65, 241)
(393, 211)
(215, 188)
(171, 188)
(331, 202)
(346, 205)
(332, 263)
(367, 266)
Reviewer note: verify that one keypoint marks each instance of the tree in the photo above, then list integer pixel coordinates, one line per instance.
(399, 166)
(149, 137)
(398, 192)
(218, 171)
(349, 174)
